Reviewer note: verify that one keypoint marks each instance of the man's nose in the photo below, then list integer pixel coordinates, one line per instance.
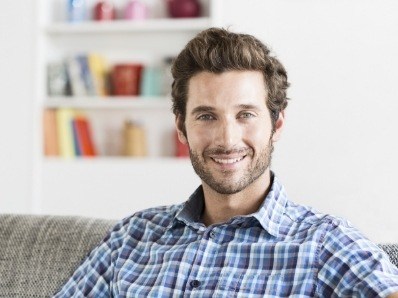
(228, 133)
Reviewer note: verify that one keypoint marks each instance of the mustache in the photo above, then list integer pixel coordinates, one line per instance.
(226, 151)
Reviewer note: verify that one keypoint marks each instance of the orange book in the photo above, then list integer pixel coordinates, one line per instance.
(50, 133)
(84, 137)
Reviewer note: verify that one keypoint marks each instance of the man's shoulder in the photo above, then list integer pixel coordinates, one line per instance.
(155, 219)
(158, 214)
(303, 217)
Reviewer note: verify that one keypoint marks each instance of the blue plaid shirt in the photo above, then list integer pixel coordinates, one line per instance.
(282, 250)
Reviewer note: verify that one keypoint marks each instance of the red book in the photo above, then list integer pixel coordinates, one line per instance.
(84, 137)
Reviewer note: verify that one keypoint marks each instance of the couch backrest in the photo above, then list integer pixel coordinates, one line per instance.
(392, 251)
(39, 253)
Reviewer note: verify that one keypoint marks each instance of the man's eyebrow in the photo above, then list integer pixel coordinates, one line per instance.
(201, 109)
(248, 107)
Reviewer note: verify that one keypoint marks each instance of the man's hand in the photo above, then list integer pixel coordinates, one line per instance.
(393, 295)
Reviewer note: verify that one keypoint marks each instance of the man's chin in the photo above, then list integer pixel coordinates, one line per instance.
(227, 187)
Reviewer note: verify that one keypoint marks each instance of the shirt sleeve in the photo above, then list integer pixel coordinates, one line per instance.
(93, 278)
(350, 265)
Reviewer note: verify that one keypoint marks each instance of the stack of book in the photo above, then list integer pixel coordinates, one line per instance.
(67, 133)
(78, 75)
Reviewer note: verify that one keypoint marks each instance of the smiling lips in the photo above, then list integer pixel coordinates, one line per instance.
(228, 160)
(227, 157)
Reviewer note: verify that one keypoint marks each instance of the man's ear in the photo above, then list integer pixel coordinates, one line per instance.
(279, 124)
(181, 132)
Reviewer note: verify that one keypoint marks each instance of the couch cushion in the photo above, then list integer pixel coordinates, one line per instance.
(39, 253)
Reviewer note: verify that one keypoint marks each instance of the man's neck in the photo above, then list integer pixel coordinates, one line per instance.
(220, 207)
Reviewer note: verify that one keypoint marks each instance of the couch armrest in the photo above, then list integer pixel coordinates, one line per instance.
(39, 253)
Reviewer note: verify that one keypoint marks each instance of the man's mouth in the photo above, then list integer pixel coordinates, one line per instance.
(228, 160)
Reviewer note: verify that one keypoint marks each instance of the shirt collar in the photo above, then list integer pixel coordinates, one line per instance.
(271, 211)
(269, 215)
(193, 208)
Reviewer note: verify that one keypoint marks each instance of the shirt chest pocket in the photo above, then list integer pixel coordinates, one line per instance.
(264, 285)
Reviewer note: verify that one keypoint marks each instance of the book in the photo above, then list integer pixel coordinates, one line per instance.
(76, 82)
(76, 146)
(50, 136)
(99, 73)
(84, 139)
(64, 118)
(57, 79)
(86, 74)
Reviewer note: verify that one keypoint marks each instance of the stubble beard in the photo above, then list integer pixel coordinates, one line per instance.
(225, 186)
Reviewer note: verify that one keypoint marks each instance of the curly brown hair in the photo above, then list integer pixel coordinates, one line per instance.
(218, 50)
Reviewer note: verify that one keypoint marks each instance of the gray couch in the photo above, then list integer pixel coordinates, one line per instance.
(39, 253)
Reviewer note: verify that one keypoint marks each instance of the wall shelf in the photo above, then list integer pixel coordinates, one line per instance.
(153, 25)
(109, 102)
(122, 160)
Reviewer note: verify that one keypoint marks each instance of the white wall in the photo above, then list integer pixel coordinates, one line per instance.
(339, 150)
(16, 96)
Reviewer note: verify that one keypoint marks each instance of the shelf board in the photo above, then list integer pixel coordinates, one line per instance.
(187, 24)
(109, 102)
(121, 160)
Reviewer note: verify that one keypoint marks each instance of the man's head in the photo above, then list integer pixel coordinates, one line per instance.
(218, 50)
(229, 97)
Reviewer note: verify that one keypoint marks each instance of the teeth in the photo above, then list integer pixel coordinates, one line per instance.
(227, 161)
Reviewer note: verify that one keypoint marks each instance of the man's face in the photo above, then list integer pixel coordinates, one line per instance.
(229, 129)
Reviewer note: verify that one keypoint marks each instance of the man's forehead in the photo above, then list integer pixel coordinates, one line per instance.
(232, 89)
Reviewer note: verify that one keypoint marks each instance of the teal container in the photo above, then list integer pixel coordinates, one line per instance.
(151, 82)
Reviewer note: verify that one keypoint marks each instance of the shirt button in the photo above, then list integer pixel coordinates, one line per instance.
(212, 234)
(195, 283)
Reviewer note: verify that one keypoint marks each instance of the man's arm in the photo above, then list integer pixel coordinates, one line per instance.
(351, 265)
(94, 276)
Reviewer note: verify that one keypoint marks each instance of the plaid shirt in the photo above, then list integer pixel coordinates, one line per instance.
(282, 250)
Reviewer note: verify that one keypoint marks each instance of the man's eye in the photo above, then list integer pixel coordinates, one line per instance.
(206, 117)
(247, 115)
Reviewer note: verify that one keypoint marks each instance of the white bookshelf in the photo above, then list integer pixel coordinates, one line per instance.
(147, 41)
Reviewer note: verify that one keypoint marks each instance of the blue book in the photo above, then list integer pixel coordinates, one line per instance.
(85, 74)
(76, 145)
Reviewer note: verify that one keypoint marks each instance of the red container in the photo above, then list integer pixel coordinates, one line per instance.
(184, 8)
(104, 11)
(126, 79)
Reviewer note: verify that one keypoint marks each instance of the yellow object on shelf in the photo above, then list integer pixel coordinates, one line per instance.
(134, 140)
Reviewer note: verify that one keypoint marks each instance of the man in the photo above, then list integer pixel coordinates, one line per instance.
(238, 235)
